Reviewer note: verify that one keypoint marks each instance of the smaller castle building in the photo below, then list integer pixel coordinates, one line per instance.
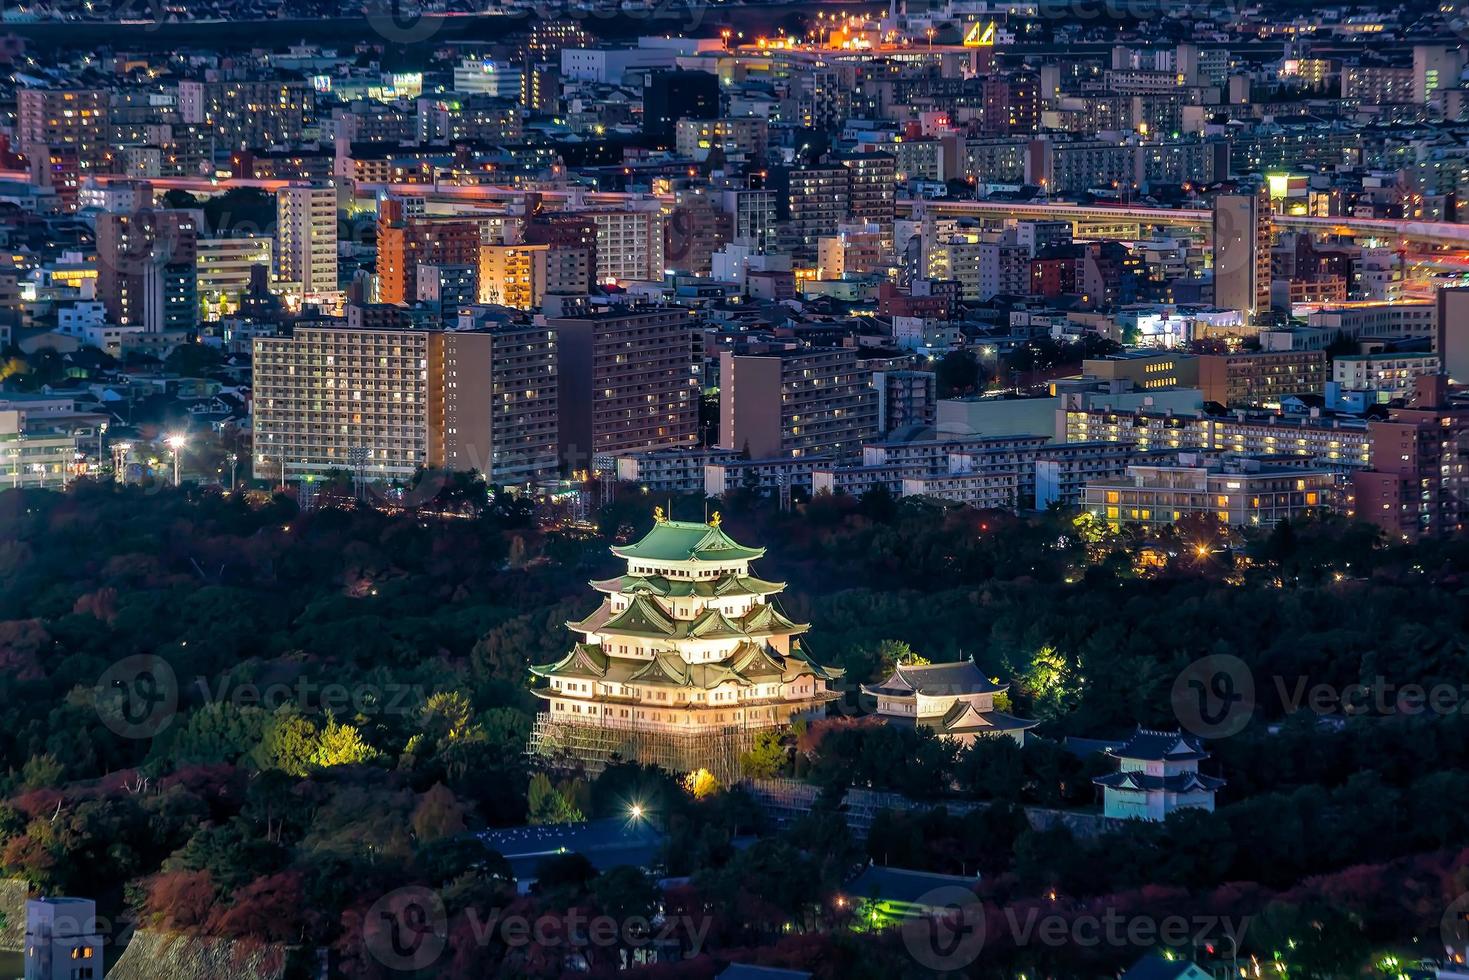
(1157, 773)
(955, 700)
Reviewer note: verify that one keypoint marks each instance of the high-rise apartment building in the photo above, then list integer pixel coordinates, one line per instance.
(66, 118)
(306, 240)
(523, 275)
(872, 190)
(1260, 379)
(629, 245)
(815, 401)
(326, 390)
(1242, 228)
(814, 200)
(492, 402)
(754, 213)
(248, 114)
(146, 273)
(406, 239)
(1418, 483)
(407, 397)
(629, 379)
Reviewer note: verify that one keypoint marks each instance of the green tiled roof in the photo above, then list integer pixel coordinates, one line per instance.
(726, 585)
(687, 541)
(584, 660)
(644, 617)
(751, 663)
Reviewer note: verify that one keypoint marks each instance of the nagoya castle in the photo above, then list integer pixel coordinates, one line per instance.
(686, 659)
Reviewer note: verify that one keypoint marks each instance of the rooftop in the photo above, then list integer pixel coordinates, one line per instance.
(901, 885)
(1156, 746)
(680, 541)
(607, 843)
(935, 680)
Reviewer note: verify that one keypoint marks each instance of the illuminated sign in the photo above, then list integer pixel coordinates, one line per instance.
(980, 35)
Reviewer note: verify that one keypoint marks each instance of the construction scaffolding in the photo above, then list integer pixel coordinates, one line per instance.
(591, 747)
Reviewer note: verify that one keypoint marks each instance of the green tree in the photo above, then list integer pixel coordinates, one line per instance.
(289, 743)
(341, 745)
(546, 804)
(767, 758)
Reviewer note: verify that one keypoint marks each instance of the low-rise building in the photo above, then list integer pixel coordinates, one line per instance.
(36, 451)
(765, 476)
(955, 700)
(1260, 379)
(1239, 492)
(1157, 773)
(1338, 443)
(1395, 372)
(669, 469)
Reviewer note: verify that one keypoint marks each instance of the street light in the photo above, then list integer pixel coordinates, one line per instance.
(176, 443)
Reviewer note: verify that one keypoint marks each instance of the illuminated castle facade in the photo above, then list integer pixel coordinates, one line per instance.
(684, 661)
